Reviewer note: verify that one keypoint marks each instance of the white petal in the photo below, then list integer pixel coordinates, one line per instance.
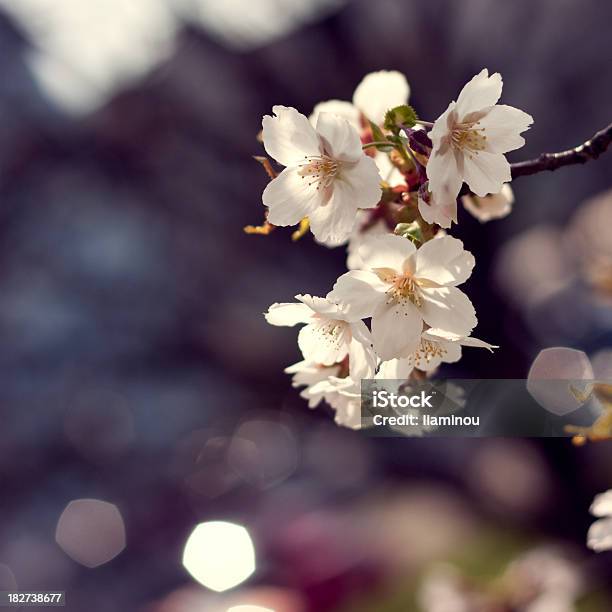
(300, 366)
(379, 228)
(489, 207)
(324, 388)
(362, 359)
(343, 109)
(443, 173)
(486, 172)
(360, 182)
(476, 343)
(358, 293)
(357, 186)
(450, 309)
(333, 222)
(320, 305)
(306, 373)
(325, 341)
(451, 352)
(481, 91)
(332, 244)
(502, 125)
(288, 136)
(388, 251)
(289, 198)
(380, 91)
(435, 213)
(314, 397)
(387, 171)
(288, 314)
(396, 330)
(317, 390)
(444, 261)
(602, 504)
(438, 335)
(600, 535)
(395, 369)
(441, 130)
(348, 412)
(340, 139)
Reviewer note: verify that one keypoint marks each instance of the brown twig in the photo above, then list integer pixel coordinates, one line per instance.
(267, 166)
(591, 149)
(581, 154)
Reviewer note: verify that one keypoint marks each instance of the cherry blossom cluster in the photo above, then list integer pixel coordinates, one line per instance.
(371, 175)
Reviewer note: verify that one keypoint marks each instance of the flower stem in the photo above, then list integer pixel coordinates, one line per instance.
(424, 123)
(378, 143)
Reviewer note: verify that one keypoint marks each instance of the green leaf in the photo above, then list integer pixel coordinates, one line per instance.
(399, 117)
(379, 136)
(412, 231)
(377, 133)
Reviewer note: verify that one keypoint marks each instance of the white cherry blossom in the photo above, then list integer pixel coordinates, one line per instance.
(329, 334)
(373, 97)
(327, 177)
(344, 396)
(600, 532)
(375, 94)
(341, 108)
(436, 346)
(492, 206)
(380, 91)
(438, 210)
(401, 287)
(470, 139)
(308, 374)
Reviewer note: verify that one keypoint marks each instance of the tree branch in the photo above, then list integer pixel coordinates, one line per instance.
(591, 149)
(581, 154)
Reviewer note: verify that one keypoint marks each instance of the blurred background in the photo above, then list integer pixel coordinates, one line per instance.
(142, 392)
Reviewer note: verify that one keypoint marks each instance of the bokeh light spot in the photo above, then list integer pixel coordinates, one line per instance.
(263, 452)
(219, 555)
(91, 532)
(550, 376)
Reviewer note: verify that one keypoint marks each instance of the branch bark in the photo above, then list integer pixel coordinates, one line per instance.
(581, 154)
(591, 149)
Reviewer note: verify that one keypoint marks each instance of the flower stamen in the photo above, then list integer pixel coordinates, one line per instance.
(429, 350)
(465, 136)
(320, 169)
(403, 287)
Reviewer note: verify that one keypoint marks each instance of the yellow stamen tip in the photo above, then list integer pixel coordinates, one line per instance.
(302, 229)
(261, 230)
